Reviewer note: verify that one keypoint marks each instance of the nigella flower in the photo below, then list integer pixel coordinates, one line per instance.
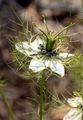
(43, 55)
(76, 111)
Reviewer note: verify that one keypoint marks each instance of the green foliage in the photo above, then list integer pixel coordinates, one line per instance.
(76, 71)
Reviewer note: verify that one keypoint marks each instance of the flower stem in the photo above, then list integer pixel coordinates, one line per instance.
(41, 103)
(42, 95)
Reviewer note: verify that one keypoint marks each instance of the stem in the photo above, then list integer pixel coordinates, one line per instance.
(7, 105)
(41, 102)
(42, 95)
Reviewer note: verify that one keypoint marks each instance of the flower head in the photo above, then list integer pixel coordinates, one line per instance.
(44, 55)
(76, 110)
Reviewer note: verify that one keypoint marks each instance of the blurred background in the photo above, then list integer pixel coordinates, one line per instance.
(16, 92)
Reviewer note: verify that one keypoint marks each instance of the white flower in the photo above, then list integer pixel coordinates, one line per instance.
(40, 63)
(76, 110)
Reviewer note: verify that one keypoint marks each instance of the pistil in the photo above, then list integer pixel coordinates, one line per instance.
(50, 53)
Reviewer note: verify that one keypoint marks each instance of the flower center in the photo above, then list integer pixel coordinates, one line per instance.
(50, 53)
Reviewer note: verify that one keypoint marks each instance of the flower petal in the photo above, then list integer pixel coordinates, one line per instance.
(37, 65)
(25, 48)
(57, 66)
(47, 63)
(35, 44)
(65, 55)
(73, 114)
(75, 102)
